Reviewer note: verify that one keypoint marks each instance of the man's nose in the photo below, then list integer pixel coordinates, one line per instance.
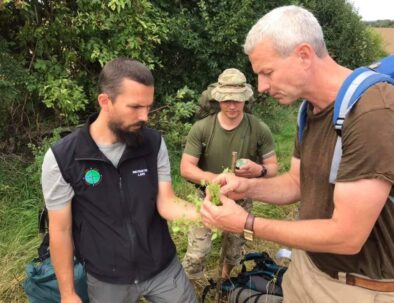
(143, 114)
(263, 84)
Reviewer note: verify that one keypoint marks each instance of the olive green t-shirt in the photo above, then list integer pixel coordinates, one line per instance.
(216, 154)
(368, 152)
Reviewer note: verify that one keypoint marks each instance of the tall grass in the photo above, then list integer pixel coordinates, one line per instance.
(21, 200)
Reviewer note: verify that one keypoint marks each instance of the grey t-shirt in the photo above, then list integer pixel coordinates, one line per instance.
(57, 192)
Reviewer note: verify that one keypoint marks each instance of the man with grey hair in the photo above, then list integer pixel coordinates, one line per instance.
(107, 188)
(343, 240)
(208, 152)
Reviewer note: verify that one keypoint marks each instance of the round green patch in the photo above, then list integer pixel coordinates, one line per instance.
(92, 177)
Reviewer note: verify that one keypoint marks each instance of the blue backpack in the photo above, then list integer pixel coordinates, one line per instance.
(350, 92)
(41, 284)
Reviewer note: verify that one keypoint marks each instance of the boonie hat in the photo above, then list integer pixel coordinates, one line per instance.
(232, 86)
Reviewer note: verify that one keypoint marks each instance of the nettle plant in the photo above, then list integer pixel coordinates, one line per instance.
(182, 225)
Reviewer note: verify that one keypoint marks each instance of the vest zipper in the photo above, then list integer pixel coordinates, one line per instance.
(130, 230)
(129, 226)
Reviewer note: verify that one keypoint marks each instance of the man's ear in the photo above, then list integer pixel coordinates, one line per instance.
(304, 52)
(103, 101)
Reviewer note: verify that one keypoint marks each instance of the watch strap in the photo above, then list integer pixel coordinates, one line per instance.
(248, 228)
(264, 171)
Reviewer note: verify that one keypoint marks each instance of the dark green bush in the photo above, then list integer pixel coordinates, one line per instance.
(52, 51)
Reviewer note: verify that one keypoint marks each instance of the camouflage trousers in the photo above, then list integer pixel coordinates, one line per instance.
(200, 244)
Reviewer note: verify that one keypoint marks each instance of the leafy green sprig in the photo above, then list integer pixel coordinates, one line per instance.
(183, 225)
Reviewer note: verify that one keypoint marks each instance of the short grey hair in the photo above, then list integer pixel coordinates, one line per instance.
(287, 27)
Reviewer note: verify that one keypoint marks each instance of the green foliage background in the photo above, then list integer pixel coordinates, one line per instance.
(52, 51)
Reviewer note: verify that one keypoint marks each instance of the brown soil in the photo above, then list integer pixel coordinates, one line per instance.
(388, 38)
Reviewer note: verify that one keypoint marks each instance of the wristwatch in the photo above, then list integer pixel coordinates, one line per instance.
(248, 228)
(264, 171)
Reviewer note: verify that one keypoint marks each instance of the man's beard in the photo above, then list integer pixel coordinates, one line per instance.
(132, 138)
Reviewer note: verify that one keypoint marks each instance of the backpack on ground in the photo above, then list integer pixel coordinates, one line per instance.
(350, 92)
(263, 283)
(41, 284)
(247, 295)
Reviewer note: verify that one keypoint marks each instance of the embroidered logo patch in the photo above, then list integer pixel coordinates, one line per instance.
(92, 177)
(140, 172)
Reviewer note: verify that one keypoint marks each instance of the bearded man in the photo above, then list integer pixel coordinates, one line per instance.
(107, 188)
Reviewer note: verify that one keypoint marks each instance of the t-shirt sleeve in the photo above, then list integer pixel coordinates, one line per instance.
(194, 142)
(57, 192)
(163, 163)
(368, 146)
(268, 145)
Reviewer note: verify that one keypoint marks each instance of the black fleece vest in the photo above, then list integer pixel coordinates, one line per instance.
(117, 229)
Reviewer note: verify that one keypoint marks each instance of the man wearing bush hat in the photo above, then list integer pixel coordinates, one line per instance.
(232, 86)
(208, 152)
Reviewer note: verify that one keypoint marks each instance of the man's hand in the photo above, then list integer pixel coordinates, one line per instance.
(73, 298)
(249, 169)
(232, 186)
(229, 216)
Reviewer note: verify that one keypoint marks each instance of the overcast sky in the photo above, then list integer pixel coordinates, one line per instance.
(371, 10)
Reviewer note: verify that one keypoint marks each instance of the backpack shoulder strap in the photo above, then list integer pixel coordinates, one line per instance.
(357, 83)
(256, 135)
(255, 126)
(254, 121)
(208, 127)
(301, 119)
(350, 92)
(352, 89)
(43, 249)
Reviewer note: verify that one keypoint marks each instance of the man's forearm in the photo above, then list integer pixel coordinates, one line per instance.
(62, 254)
(277, 190)
(171, 207)
(178, 209)
(320, 235)
(272, 170)
(197, 175)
